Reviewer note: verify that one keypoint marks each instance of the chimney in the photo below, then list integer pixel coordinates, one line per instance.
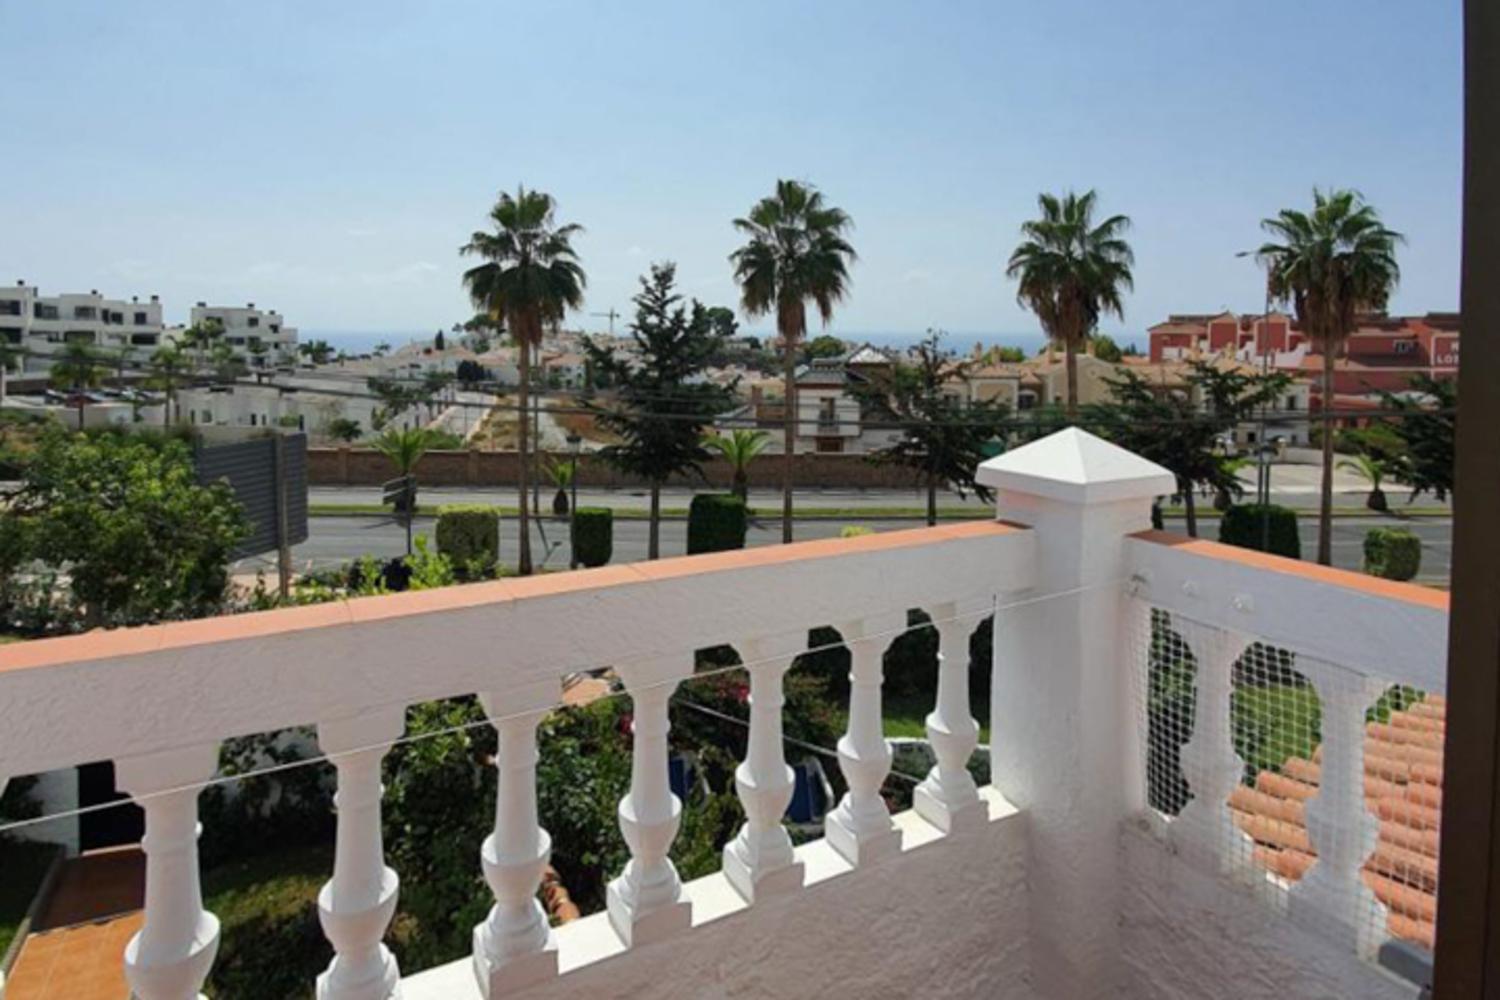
(202, 305)
(135, 298)
(155, 299)
(20, 282)
(249, 305)
(94, 292)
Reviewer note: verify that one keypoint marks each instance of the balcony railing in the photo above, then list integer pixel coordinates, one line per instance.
(1015, 889)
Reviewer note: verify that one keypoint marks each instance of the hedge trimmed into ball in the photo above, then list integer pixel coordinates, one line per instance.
(1392, 553)
(593, 535)
(1241, 525)
(716, 522)
(469, 535)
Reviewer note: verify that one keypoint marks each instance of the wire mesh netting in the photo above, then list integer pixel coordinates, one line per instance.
(1318, 766)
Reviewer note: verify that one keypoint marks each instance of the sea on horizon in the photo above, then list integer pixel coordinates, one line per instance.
(363, 341)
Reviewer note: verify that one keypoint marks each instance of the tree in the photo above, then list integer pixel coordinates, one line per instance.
(1428, 430)
(1105, 348)
(1071, 271)
(439, 342)
(470, 373)
(825, 346)
(945, 438)
(1373, 469)
(344, 429)
(1009, 355)
(201, 336)
(169, 370)
(140, 539)
(78, 369)
(1182, 430)
(530, 277)
(404, 449)
(739, 448)
(796, 253)
(396, 396)
(382, 349)
(434, 384)
(318, 352)
(659, 410)
(723, 321)
(227, 365)
(1330, 264)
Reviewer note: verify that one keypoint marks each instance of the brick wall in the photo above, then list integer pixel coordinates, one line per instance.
(364, 467)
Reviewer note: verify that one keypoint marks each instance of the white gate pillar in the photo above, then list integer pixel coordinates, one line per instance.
(1065, 744)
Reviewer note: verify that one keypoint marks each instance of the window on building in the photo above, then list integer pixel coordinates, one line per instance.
(41, 311)
(140, 319)
(10, 334)
(1291, 402)
(253, 321)
(84, 312)
(830, 445)
(143, 339)
(10, 307)
(1026, 401)
(275, 327)
(826, 413)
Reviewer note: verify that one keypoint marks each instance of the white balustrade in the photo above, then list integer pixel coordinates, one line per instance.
(514, 947)
(170, 956)
(1333, 895)
(646, 903)
(1205, 830)
(759, 862)
(948, 797)
(860, 828)
(356, 905)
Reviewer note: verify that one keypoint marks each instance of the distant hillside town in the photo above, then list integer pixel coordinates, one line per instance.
(246, 368)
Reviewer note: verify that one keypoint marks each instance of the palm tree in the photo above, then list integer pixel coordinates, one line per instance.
(201, 336)
(530, 278)
(404, 449)
(1072, 271)
(79, 368)
(1373, 469)
(739, 448)
(319, 352)
(797, 253)
(169, 369)
(1330, 264)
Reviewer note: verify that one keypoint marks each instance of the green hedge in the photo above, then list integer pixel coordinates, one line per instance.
(1241, 525)
(469, 535)
(593, 535)
(716, 521)
(1394, 553)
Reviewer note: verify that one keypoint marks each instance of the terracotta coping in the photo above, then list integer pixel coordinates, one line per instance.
(1375, 586)
(110, 643)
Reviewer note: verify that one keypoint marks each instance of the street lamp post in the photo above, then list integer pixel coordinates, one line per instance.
(575, 441)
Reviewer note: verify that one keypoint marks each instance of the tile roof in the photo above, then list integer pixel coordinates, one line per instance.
(1403, 787)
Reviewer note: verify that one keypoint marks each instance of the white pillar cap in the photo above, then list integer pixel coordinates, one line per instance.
(1076, 467)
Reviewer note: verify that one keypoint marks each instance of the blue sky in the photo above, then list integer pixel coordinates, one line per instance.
(328, 159)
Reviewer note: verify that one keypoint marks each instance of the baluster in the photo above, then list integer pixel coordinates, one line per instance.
(645, 902)
(1333, 895)
(514, 947)
(759, 862)
(356, 905)
(860, 828)
(948, 798)
(170, 956)
(1205, 828)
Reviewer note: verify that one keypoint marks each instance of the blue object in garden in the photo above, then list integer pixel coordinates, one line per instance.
(681, 775)
(810, 793)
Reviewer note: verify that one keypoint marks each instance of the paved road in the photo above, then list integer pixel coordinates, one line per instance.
(337, 540)
(1291, 485)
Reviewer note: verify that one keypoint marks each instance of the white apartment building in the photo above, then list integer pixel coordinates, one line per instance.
(42, 324)
(259, 337)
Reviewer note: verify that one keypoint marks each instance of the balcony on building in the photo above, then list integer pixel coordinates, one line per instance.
(1131, 843)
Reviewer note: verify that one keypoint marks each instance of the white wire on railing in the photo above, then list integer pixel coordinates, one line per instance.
(1313, 782)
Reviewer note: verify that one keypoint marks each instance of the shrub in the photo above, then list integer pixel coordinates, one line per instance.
(1394, 553)
(716, 521)
(469, 535)
(1241, 525)
(593, 535)
(855, 531)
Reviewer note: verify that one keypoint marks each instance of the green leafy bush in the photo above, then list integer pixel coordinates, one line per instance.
(716, 521)
(1241, 525)
(593, 535)
(1393, 553)
(469, 535)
